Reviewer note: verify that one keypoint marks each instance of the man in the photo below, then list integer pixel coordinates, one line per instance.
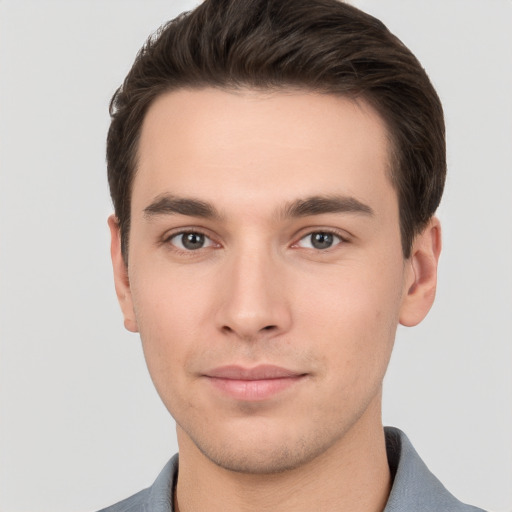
(275, 168)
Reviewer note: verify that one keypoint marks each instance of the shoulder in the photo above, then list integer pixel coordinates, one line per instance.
(414, 486)
(157, 498)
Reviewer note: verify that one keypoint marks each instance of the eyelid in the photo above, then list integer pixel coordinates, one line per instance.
(169, 235)
(342, 235)
(208, 242)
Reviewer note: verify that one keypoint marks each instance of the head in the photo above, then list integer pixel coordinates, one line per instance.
(274, 166)
(324, 46)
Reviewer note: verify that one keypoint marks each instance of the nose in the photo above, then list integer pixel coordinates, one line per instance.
(254, 301)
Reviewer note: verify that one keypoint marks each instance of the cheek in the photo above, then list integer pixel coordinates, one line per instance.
(166, 326)
(167, 300)
(353, 320)
(169, 315)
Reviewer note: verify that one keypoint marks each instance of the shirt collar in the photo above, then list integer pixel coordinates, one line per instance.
(414, 486)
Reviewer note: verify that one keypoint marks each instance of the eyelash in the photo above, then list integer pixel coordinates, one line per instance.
(343, 239)
(182, 250)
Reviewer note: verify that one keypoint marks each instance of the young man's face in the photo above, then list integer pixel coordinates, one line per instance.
(265, 272)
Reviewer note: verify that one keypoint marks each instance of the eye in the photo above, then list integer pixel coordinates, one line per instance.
(190, 241)
(319, 240)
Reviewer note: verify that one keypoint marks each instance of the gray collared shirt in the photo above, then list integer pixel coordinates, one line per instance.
(415, 488)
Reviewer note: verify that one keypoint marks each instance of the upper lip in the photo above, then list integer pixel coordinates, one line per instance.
(261, 372)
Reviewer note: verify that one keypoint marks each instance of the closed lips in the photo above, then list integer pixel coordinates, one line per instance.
(262, 372)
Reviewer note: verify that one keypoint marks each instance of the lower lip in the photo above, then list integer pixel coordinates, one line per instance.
(253, 390)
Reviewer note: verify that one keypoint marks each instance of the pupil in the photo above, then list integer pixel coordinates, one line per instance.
(192, 240)
(321, 240)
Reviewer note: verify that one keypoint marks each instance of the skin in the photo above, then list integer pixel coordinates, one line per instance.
(259, 292)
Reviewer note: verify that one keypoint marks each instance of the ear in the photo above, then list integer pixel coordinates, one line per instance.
(122, 283)
(421, 275)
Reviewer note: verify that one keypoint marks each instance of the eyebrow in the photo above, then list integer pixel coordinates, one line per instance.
(317, 205)
(172, 205)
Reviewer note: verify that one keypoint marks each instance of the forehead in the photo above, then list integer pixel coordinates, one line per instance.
(280, 145)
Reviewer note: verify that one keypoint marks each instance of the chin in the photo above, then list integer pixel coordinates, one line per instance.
(264, 454)
(261, 462)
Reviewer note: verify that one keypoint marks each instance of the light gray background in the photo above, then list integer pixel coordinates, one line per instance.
(80, 423)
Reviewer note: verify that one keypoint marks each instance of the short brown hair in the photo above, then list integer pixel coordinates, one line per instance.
(323, 46)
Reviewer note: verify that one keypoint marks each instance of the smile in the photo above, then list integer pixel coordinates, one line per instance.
(253, 384)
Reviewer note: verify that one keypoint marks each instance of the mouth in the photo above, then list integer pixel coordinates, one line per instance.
(253, 384)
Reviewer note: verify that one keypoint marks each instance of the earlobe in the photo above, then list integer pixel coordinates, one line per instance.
(421, 275)
(121, 280)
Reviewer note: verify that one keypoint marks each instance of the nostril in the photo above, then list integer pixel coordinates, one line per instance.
(227, 329)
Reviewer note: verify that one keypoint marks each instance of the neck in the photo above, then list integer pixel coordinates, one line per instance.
(351, 476)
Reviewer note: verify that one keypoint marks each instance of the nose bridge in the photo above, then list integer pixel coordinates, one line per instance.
(254, 299)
